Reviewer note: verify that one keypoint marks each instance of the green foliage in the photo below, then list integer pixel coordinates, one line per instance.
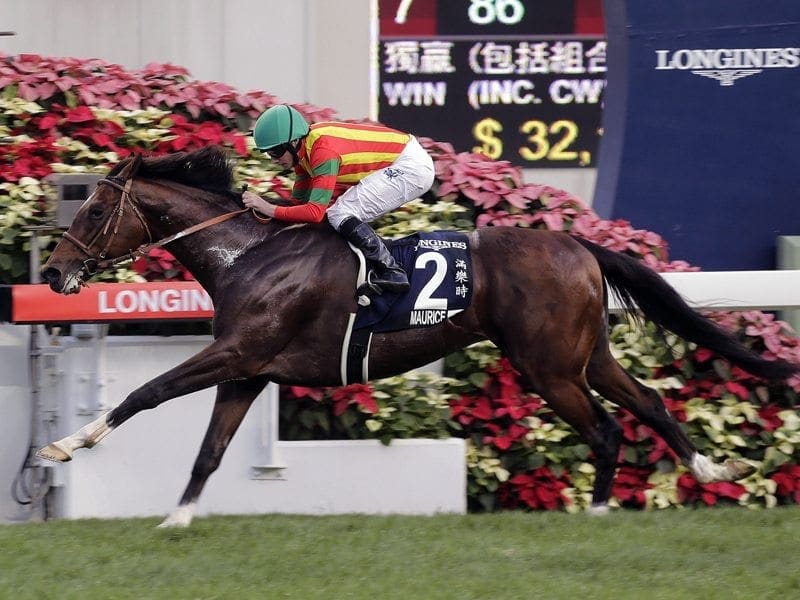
(413, 405)
(23, 204)
(419, 215)
(408, 406)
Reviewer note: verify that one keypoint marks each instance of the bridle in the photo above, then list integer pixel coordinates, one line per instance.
(99, 262)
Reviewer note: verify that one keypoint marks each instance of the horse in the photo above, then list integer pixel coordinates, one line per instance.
(282, 294)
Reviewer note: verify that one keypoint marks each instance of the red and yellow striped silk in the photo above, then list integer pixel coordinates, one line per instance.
(335, 156)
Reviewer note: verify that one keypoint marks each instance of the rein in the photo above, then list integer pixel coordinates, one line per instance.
(101, 263)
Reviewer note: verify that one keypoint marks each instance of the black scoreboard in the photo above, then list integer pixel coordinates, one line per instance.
(517, 80)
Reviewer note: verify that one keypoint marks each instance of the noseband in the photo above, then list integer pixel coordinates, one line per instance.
(99, 262)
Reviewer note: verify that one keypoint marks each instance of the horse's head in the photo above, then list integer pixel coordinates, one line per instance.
(108, 225)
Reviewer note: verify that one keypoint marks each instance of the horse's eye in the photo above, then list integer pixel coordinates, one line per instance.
(96, 212)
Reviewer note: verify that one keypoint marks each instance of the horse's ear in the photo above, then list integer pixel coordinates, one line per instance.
(131, 168)
(137, 162)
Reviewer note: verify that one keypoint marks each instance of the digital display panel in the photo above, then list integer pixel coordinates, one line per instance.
(517, 80)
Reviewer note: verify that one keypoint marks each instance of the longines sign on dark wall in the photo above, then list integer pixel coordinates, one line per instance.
(517, 80)
(726, 65)
(701, 126)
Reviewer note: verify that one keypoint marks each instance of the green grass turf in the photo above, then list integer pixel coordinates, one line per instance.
(706, 553)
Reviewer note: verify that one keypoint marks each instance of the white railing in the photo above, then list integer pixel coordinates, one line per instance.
(737, 290)
(261, 456)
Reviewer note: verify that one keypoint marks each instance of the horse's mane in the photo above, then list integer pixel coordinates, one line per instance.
(208, 168)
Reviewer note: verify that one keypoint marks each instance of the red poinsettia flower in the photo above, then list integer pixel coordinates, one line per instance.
(677, 408)
(538, 490)
(787, 478)
(736, 388)
(79, 114)
(316, 394)
(690, 491)
(503, 439)
(356, 393)
(28, 159)
(160, 265)
(769, 416)
(468, 408)
(48, 121)
(630, 484)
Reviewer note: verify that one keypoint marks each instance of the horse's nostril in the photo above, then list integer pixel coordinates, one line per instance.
(51, 275)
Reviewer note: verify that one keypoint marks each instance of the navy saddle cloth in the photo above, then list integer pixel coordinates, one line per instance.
(439, 269)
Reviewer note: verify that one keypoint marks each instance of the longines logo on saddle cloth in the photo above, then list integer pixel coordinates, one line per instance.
(439, 269)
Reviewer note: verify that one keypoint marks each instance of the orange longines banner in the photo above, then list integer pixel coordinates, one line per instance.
(100, 302)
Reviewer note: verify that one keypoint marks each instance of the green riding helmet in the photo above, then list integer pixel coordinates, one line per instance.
(278, 125)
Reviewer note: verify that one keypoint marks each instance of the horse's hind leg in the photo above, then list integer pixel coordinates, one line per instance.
(548, 337)
(555, 372)
(611, 381)
(234, 399)
(571, 400)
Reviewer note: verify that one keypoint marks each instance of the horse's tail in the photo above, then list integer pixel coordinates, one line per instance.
(637, 285)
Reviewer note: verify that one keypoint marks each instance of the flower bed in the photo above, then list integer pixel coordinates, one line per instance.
(69, 115)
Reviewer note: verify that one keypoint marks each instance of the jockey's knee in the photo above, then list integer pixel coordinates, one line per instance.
(338, 216)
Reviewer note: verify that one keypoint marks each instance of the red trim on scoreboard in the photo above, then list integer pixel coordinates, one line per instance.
(589, 17)
(404, 17)
(102, 302)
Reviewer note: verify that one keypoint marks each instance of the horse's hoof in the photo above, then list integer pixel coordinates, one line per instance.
(55, 452)
(599, 510)
(738, 469)
(181, 517)
(170, 523)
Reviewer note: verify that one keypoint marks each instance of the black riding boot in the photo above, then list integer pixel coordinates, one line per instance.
(386, 274)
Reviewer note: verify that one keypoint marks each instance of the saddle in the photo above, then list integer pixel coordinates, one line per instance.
(439, 268)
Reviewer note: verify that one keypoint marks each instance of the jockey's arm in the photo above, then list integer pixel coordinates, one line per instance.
(316, 190)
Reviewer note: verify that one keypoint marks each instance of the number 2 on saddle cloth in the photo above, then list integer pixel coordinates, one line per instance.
(439, 269)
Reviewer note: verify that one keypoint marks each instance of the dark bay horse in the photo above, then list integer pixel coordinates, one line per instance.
(282, 295)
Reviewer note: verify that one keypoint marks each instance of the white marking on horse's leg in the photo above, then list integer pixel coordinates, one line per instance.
(95, 431)
(180, 517)
(599, 510)
(705, 470)
(86, 437)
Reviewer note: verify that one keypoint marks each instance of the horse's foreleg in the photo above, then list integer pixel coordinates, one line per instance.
(86, 437)
(217, 362)
(233, 401)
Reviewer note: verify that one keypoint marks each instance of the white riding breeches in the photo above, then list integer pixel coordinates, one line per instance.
(408, 177)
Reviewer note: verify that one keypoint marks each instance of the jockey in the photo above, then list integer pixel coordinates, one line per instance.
(352, 173)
